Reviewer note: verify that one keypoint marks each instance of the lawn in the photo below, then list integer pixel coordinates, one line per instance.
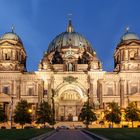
(118, 133)
(21, 134)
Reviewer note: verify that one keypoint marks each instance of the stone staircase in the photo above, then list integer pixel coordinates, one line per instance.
(69, 124)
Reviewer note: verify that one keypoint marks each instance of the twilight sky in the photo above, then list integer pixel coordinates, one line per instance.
(101, 22)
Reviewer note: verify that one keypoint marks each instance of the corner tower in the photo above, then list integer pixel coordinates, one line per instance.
(127, 53)
(12, 53)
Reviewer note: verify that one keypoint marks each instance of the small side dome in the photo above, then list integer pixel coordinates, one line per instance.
(129, 35)
(10, 36)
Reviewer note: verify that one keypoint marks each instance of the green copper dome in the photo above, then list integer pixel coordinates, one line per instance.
(129, 36)
(69, 38)
(10, 36)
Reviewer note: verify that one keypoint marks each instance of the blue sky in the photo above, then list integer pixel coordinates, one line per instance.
(102, 22)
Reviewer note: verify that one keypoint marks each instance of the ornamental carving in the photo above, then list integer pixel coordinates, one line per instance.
(70, 79)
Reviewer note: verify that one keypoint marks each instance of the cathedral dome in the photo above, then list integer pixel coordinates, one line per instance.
(69, 38)
(70, 51)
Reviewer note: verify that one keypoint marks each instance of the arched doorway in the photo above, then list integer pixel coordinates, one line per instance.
(69, 102)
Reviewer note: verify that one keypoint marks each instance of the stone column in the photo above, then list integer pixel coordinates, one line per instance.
(116, 89)
(139, 86)
(138, 52)
(39, 90)
(115, 93)
(76, 110)
(64, 111)
(36, 91)
(0, 54)
(12, 88)
(100, 89)
(126, 55)
(122, 86)
(91, 90)
(56, 110)
(49, 92)
(18, 89)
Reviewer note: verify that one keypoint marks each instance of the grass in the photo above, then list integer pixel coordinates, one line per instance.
(118, 133)
(21, 134)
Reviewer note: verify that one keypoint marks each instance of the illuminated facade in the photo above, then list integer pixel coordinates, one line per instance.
(68, 73)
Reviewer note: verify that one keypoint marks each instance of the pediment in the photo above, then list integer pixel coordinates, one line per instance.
(134, 44)
(7, 43)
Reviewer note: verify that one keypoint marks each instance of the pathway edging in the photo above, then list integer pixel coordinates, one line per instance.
(93, 135)
(43, 136)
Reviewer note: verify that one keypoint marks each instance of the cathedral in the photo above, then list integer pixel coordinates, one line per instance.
(69, 74)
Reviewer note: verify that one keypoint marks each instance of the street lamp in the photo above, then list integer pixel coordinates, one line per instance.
(30, 110)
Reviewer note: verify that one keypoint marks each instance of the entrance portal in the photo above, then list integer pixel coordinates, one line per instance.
(69, 105)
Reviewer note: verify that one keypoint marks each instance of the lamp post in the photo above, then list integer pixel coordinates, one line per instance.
(30, 112)
(11, 112)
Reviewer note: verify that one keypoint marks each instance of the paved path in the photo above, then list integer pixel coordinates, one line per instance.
(69, 135)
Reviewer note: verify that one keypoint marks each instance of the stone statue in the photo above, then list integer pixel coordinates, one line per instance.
(70, 67)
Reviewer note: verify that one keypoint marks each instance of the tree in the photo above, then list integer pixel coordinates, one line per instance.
(132, 113)
(87, 115)
(22, 114)
(113, 115)
(45, 114)
(3, 117)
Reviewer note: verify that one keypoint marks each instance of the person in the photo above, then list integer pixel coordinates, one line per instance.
(57, 129)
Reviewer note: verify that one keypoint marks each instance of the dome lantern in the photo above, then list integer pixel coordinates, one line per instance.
(70, 27)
